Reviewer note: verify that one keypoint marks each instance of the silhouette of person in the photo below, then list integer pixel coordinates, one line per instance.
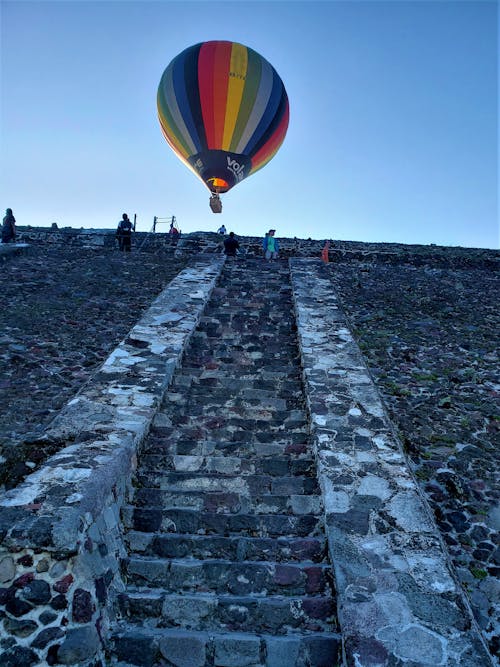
(124, 233)
(231, 245)
(8, 227)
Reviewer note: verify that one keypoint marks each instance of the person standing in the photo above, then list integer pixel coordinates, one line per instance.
(270, 245)
(8, 227)
(324, 252)
(124, 233)
(231, 245)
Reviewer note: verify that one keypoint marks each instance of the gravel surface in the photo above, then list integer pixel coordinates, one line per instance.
(63, 311)
(430, 338)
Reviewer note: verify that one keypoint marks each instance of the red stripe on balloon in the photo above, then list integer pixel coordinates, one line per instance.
(273, 143)
(221, 66)
(206, 86)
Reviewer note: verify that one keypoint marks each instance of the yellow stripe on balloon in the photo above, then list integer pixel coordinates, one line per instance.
(172, 139)
(236, 85)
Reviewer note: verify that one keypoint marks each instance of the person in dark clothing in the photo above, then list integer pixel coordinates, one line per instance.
(124, 233)
(8, 227)
(231, 245)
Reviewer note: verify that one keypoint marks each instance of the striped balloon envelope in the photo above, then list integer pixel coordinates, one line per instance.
(223, 110)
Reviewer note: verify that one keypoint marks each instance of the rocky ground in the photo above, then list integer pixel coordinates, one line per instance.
(430, 338)
(429, 335)
(64, 310)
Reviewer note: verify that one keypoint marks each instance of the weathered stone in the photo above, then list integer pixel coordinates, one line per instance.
(63, 585)
(42, 565)
(46, 636)
(376, 538)
(82, 606)
(79, 644)
(26, 560)
(282, 651)
(37, 591)
(59, 602)
(22, 628)
(19, 655)
(237, 651)
(184, 650)
(7, 569)
(18, 607)
(24, 580)
(322, 651)
(414, 643)
(47, 617)
(137, 650)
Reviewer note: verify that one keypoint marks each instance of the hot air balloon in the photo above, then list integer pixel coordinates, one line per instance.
(224, 111)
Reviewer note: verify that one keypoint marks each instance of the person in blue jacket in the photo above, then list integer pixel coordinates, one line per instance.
(270, 245)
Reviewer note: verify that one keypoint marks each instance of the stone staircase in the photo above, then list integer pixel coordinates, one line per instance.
(227, 561)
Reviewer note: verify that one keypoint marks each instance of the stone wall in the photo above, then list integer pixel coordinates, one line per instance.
(60, 536)
(210, 242)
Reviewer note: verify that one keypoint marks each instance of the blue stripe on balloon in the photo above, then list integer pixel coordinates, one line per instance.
(179, 81)
(267, 117)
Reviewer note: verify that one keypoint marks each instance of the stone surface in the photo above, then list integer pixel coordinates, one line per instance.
(401, 591)
(209, 517)
(64, 519)
(429, 336)
(184, 650)
(379, 533)
(66, 310)
(79, 645)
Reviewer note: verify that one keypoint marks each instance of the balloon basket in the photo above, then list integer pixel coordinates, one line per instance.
(215, 203)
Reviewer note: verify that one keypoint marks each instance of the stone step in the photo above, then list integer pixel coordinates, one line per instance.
(275, 614)
(149, 647)
(213, 523)
(249, 485)
(264, 380)
(236, 407)
(282, 549)
(227, 560)
(248, 362)
(227, 502)
(208, 420)
(151, 460)
(257, 578)
(179, 445)
(212, 428)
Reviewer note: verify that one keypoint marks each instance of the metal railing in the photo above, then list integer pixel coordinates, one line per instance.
(158, 221)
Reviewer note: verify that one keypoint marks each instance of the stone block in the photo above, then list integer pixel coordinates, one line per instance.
(79, 645)
(83, 606)
(184, 649)
(322, 651)
(136, 649)
(237, 651)
(19, 655)
(7, 569)
(46, 636)
(19, 628)
(37, 591)
(282, 651)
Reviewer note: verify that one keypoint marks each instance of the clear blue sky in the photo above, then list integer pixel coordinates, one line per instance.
(393, 117)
